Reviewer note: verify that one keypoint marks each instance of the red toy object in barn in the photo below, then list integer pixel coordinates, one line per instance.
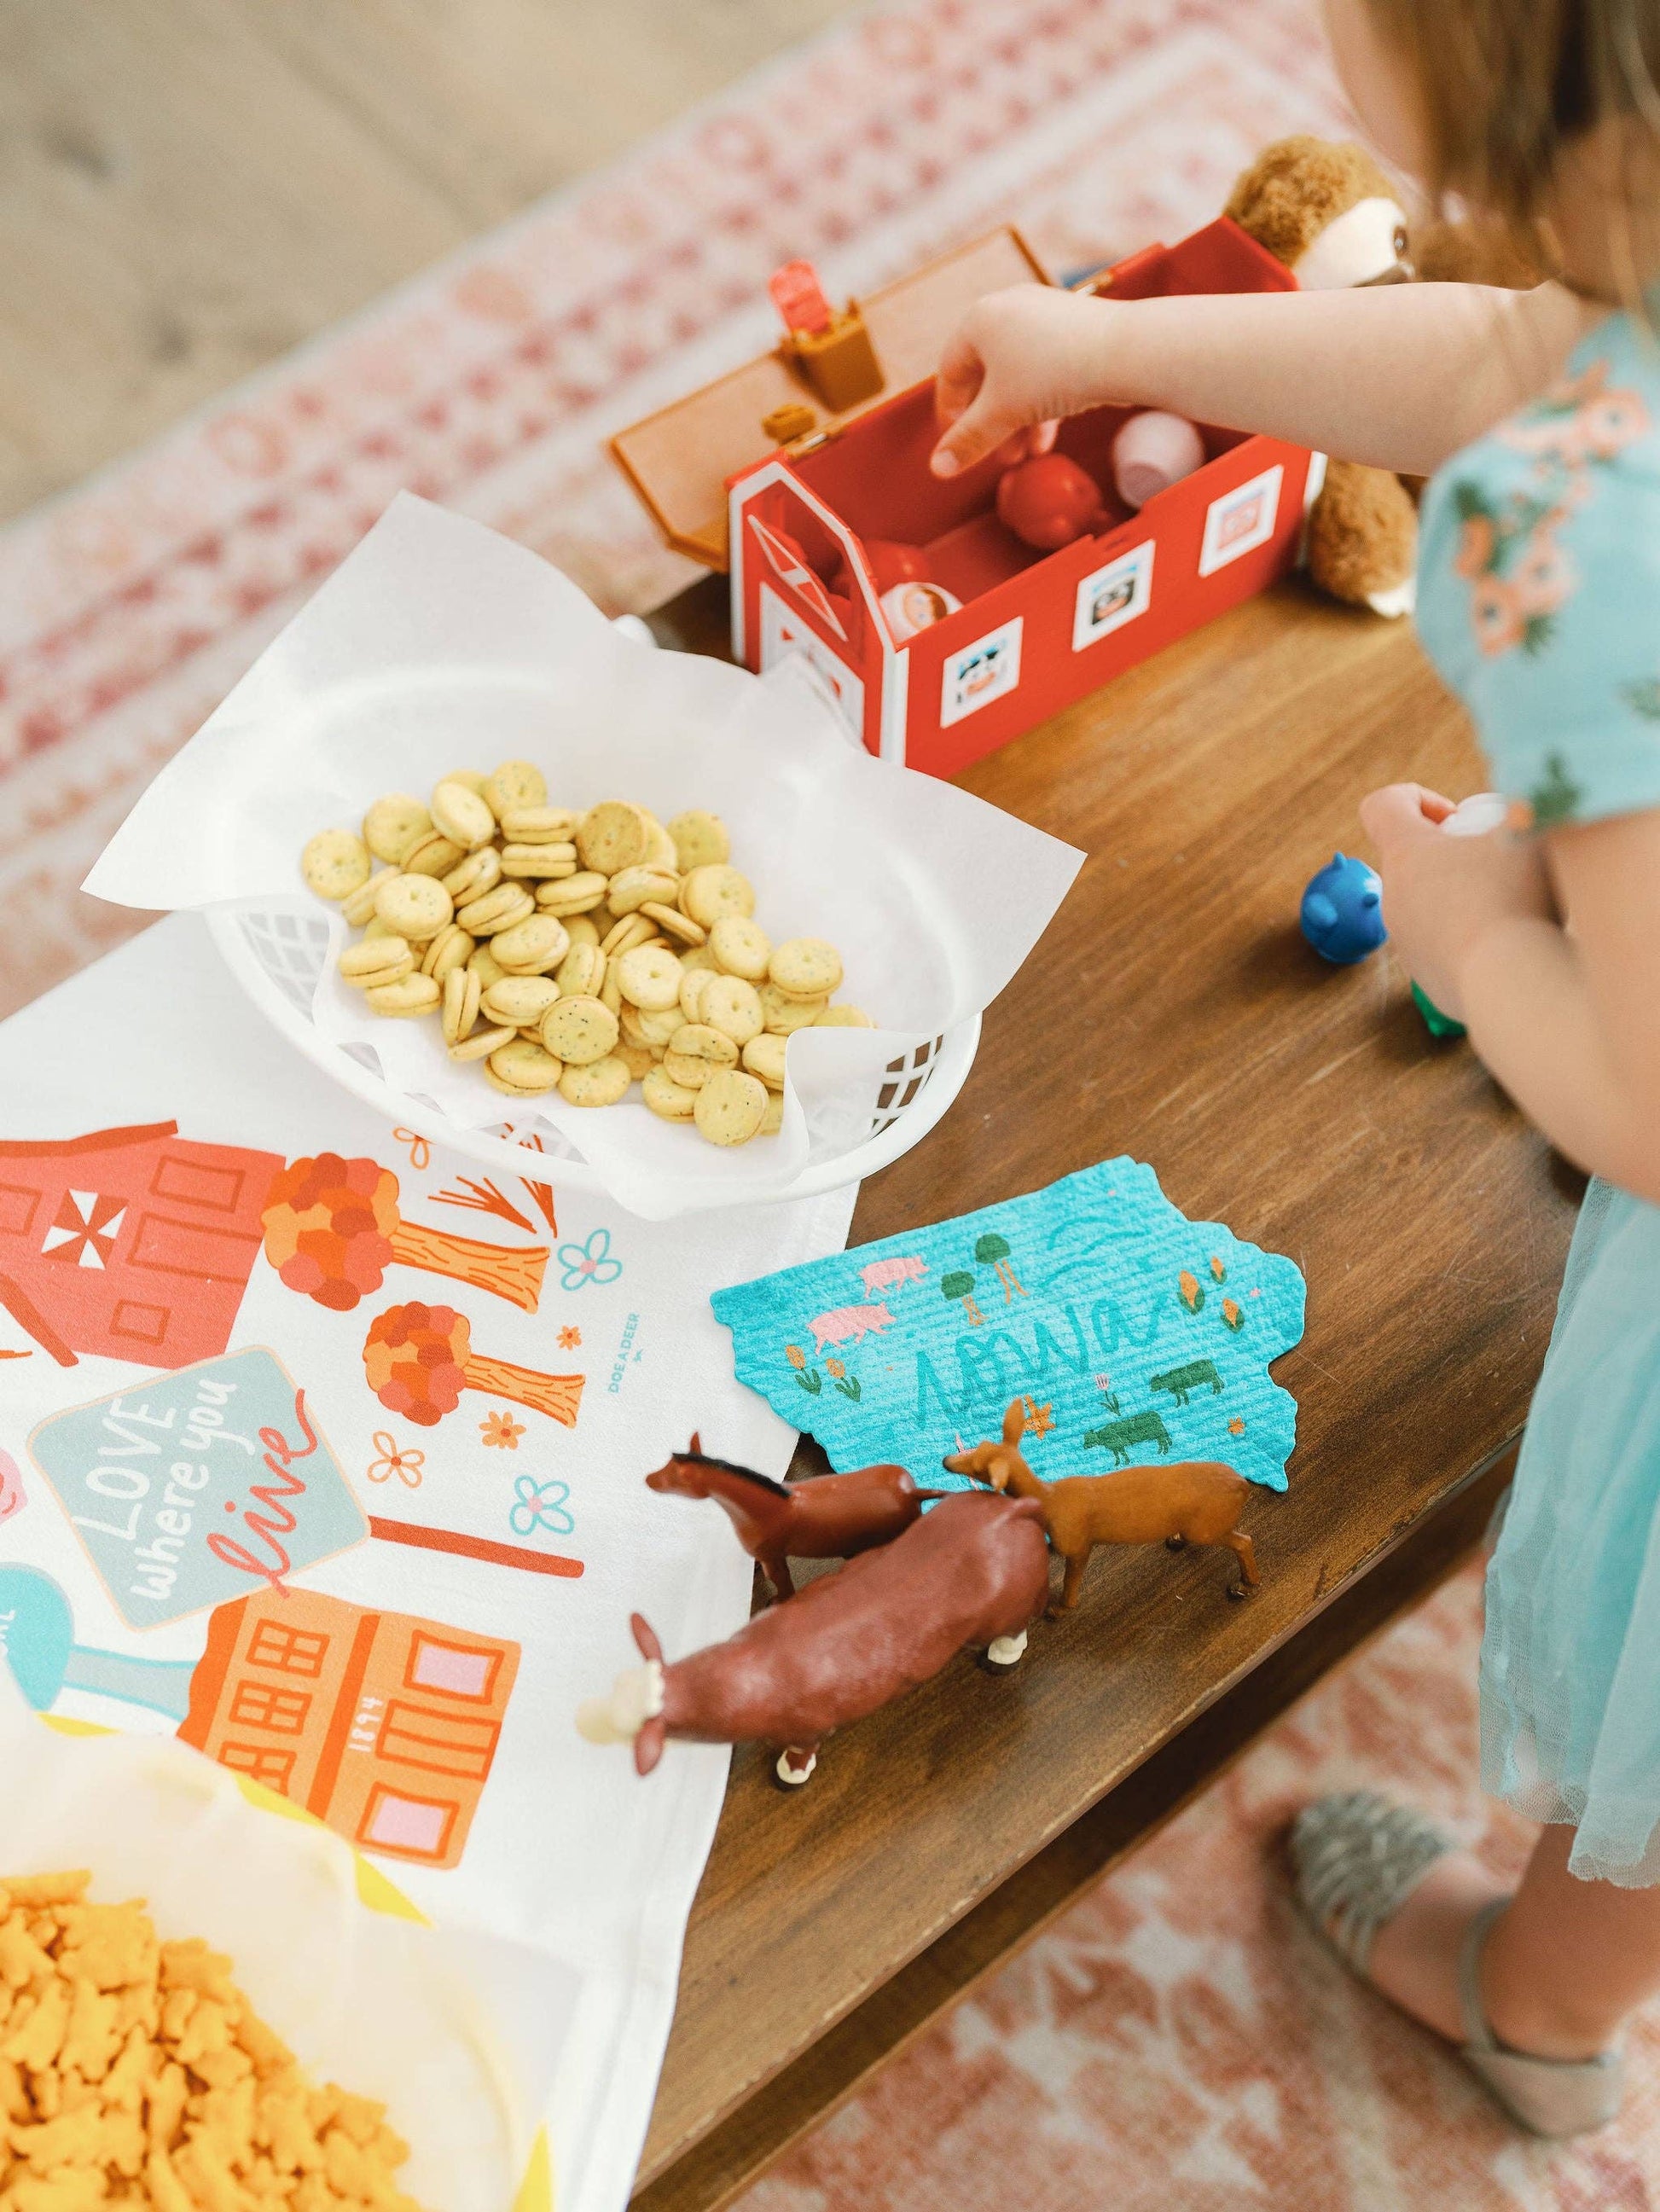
(131, 1244)
(1048, 501)
(1035, 631)
(973, 1573)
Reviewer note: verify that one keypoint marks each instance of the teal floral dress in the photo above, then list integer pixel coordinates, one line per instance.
(1539, 600)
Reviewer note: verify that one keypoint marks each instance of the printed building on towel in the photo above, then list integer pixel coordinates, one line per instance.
(130, 1243)
(383, 1725)
(804, 527)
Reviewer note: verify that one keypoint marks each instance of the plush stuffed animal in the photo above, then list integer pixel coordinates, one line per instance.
(1330, 214)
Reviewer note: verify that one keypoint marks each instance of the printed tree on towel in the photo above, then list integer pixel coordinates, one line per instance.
(992, 1251)
(960, 1284)
(419, 1358)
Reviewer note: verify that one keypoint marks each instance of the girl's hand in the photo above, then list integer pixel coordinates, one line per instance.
(1443, 895)
(1020, 358)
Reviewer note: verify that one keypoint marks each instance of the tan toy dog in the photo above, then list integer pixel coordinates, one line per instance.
(1330, 214)
(1191, 1502)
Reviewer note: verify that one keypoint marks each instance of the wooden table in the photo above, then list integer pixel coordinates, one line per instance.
(1172, 1013)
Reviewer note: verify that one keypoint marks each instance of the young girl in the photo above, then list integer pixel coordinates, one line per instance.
(1539, 598)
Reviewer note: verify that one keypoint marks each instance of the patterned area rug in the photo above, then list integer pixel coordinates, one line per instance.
(129, 607)
(1181, 2042)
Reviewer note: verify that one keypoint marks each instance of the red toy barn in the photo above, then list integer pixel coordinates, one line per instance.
(130, 1243)
(1035, 630)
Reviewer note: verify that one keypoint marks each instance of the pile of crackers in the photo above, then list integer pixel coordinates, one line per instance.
(136, 2072)
(578, 951)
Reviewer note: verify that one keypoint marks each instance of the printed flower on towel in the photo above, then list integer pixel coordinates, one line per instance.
(407, 1466)
(501, 1429)
(589, 1262)
(540, 1505)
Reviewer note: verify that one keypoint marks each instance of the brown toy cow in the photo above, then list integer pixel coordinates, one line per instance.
(834, 1517)
(1192, 1502)
(973, 1573)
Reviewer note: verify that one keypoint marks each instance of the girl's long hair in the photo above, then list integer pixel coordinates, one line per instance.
(1509, 85)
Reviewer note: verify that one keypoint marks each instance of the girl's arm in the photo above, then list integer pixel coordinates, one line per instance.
(1567, 1018)
(1400, 375)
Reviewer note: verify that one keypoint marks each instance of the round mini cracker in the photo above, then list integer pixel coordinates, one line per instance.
(462, 816)
(763, 1055)
(581, 973)
(472, 878)
(638, 1058)
(335, 863)
(680, 927)
(843, 1018)
(516, 784)
(358, 907)
(434, 855)
(611, 837)
(409, 996)
(731, 1107)
(502, 907)
(596, 1082)
(451, 948)
(376, 960)
(700, 840)
(653, 1028)
(694, 982)
(539, 825)
(578, 894)
(460, 1011)
(474, 779)
(660, 851)
(524, 1068)
(393, 825)
(741, 947)
(665, 1097)
(649, 977)
(579, 1030)
(484, 965)
(417, 907)
(783, 1015)
(544, 864)
(806, 968)
(772, 1120)
(730, 1005)
(533, 947)
(631, 929)
(519, 1001)
(630, 887)
(482, 1043)
(696, 1052)
(710, 894)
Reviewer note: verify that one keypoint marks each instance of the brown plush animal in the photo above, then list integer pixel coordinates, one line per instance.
(1330, 214)
(1192, 1502)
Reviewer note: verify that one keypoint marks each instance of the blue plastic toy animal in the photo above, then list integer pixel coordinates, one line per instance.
(1342, 911)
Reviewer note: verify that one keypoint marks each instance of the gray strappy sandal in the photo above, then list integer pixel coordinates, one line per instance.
(1357, 1857)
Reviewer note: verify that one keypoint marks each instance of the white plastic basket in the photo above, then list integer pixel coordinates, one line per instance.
(276, 949)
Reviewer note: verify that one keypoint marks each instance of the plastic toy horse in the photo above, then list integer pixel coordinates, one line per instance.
(832, 1518)
(1192, 1502)
(972, 1575)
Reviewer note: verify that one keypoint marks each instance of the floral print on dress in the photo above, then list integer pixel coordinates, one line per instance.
(1511, 551)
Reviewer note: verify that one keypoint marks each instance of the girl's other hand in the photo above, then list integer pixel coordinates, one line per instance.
(1443, 895)
(1019, 360)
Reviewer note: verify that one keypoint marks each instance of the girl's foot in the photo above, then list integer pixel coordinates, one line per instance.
(1411, 1912)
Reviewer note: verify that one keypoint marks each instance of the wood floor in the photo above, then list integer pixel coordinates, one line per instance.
(188, 188)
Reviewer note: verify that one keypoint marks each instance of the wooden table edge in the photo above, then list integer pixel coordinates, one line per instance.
(738, 2140)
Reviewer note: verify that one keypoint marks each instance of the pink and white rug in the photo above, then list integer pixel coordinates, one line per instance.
(1181, 2042)
(128, 608)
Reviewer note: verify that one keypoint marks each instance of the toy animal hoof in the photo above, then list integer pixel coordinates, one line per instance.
(787, 1776)
(1175, 1543)
(1240, 1591)
(1004, 1653)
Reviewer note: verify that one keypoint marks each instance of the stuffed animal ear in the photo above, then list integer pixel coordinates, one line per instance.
(998, 1470)
(645, 1637)
(649, 1744)
(1014, 1422)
